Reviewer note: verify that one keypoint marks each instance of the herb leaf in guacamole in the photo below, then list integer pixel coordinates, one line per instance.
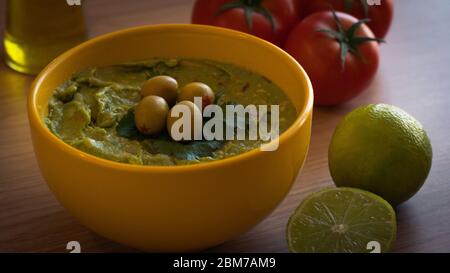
(193, 150)
(127, 128)
(162, 144)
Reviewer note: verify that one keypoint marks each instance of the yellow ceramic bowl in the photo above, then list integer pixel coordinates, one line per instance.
(177, 208)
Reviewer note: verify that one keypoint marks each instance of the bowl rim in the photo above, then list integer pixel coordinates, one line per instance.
(34, 117)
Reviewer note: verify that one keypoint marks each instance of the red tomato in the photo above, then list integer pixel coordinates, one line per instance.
(380, 15)
(273, 26)
(335, 80)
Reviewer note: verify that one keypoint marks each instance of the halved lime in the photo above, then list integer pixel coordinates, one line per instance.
(340, 220)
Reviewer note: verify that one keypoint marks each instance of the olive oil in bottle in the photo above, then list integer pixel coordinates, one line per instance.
(37, 31)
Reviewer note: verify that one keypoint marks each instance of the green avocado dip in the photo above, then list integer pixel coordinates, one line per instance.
(93, 110)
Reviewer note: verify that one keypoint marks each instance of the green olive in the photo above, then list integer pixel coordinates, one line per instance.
(195, 112)
(162, 86)
(150, 115)
(197, 89)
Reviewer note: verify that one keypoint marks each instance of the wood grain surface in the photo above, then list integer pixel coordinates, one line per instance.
(414, 75)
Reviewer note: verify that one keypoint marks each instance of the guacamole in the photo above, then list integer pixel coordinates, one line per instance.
(90, 111)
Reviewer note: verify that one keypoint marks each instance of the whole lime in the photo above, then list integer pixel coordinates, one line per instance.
(382, 149)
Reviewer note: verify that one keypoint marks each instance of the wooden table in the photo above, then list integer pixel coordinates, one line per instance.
(414, 75)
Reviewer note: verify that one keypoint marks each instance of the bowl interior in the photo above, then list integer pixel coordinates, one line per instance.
(174, 41)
